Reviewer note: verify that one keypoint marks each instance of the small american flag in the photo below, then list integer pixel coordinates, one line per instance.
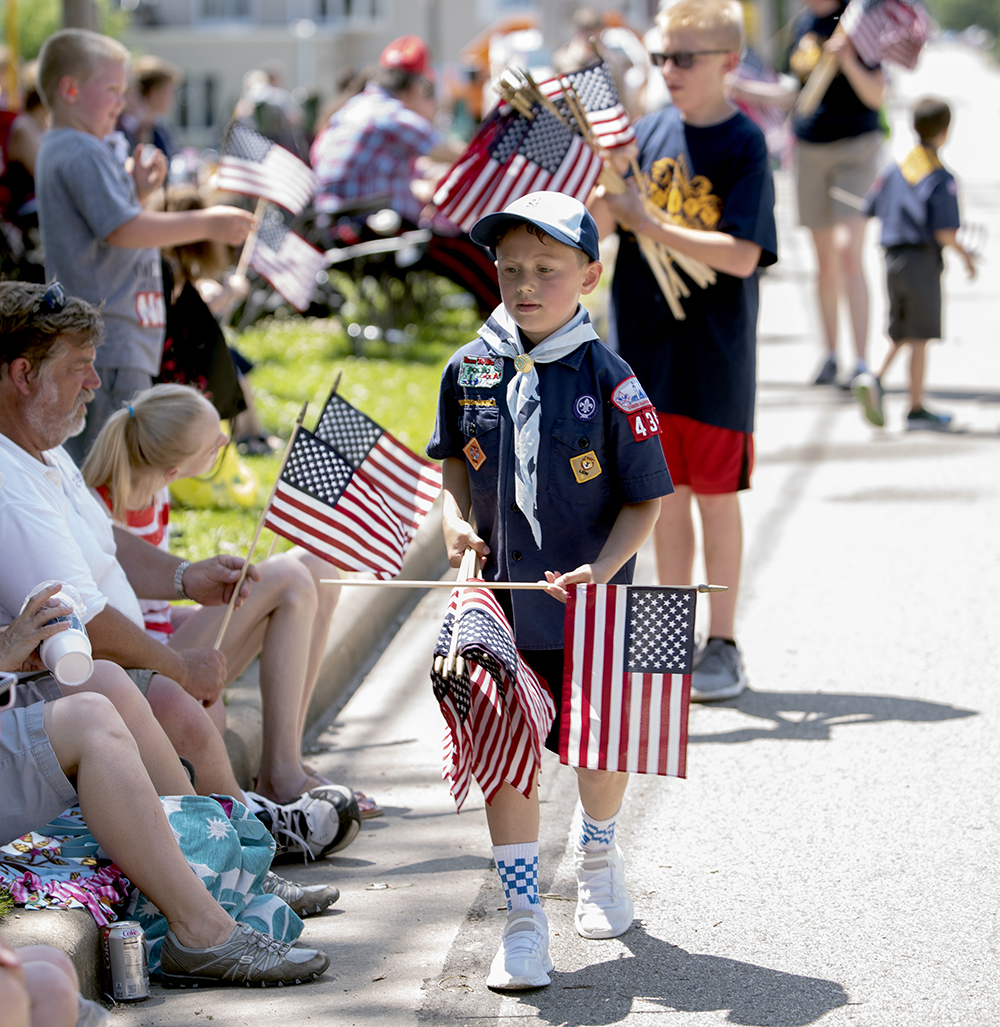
(408, 483)
(627, 678)
(595, 88)
(254, 166)
(287, 261)
(324, 505)
(511, 156)
(887, 30)
(497, 714)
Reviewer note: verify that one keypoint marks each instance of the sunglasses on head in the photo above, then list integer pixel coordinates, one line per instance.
(682, 59)
(53, 300)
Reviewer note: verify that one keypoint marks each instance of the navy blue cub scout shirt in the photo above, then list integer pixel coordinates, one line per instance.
(598, 451)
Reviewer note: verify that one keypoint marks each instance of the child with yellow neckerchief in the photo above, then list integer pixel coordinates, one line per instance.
(917, 202)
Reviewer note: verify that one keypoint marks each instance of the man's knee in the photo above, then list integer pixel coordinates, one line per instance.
(50, 954)
(53, 994)
(183, 718)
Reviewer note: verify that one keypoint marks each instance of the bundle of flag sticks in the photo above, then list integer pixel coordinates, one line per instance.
(523, 93)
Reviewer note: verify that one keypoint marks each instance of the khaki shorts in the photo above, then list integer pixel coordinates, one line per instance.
(32, 783)
(849, 164)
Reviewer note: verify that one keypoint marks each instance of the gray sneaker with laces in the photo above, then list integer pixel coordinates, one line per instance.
(312, 898)
(718, 673)
(248, 957)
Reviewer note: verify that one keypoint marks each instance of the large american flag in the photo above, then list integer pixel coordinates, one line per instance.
(887, 30)
(323, 504)
(498, 713)
(287, 261)
(511, 156)
(596, 91)
(627, 678)
(408, 483)
(254, 166)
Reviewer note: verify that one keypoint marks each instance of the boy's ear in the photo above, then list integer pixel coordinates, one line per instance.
(730, 61)
(68, 89)
(591, 277)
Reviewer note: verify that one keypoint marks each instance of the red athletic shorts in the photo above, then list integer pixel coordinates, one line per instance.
(706, 458)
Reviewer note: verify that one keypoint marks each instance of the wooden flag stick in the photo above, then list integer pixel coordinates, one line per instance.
(260, 525)
(537, 586)
(818, 82)
(251, 240)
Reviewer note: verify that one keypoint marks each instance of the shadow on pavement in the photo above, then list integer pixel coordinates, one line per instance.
(659, 976)
(809, 716)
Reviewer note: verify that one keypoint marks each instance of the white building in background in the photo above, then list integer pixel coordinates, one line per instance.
(215, 42)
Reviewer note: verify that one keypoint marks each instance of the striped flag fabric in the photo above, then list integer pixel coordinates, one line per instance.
(887, 30)
(627, 678)
(408, 483)
(511, 156)
(595, 88)
(252, 165)
(287, 261)
(497, 713)
(326, 506)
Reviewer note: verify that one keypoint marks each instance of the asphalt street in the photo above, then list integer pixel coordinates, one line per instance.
(831, 857)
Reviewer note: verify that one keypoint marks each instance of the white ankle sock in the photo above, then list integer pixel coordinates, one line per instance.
(517, 866)
(597, 835)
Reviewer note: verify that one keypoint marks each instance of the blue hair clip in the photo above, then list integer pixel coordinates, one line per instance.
(131, 412)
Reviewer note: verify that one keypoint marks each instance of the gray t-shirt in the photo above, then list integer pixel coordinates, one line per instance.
(84, 194)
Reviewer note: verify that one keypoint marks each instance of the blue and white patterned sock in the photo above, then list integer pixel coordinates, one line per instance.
(517, 866)
(597, 835)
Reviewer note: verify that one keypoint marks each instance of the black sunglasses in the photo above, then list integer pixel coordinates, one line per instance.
(53, 299)
(682, 59)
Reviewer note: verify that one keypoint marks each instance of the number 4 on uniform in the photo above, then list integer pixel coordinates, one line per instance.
(644, 423)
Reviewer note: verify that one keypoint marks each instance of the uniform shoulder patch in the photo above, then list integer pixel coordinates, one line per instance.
(630, 396)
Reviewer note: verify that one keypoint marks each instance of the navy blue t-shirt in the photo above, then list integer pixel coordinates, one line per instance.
(840, 114)
(589, 402)
(914, 200)
(703, 367)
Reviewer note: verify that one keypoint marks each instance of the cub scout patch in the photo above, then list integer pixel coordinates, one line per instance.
(585, 466)
(630, 396)
(474, 453)
(585, 407)
(480, 372)
(644, 423)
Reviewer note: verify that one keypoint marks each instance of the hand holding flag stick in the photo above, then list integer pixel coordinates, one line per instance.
(260, 525)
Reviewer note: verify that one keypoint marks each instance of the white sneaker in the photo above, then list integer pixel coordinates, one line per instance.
(603, 906)
(522, 961)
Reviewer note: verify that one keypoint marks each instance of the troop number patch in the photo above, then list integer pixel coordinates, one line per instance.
(644, 423)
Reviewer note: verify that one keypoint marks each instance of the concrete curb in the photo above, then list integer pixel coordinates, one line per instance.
(363, 623)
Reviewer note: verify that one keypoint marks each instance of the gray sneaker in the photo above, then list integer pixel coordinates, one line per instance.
(719, 674)
(249, 957)
(312, 898)
(867, 391)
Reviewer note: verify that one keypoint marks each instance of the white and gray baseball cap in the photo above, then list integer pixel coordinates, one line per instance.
(563, 217)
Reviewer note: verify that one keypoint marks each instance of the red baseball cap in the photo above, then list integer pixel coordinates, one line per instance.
(408, 53)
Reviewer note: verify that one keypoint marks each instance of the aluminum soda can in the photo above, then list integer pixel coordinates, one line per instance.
(126, 972)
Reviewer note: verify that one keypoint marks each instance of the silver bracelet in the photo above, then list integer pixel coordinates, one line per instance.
(179, 579)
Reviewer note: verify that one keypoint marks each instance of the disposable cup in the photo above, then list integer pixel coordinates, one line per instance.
(68, 656)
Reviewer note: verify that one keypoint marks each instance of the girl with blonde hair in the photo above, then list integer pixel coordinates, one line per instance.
(170, 432)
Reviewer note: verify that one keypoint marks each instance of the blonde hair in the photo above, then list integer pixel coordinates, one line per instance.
(720, 20)
(75, 52)
(158, 430)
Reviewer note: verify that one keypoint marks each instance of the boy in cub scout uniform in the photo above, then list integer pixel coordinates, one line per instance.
(917, 202)
(550, 439)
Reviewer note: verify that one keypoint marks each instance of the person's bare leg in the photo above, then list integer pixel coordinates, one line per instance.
(918, 367)
(723, 531)
(890, 357)
(855, 285)
(673, 538)
(827, 283)
(276, 621)
(193, 735)
(158, 754)
(512, 817)
(124, 814)
(601, 791)
(52, 986)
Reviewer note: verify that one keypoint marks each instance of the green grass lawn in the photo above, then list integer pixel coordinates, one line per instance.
(297, 360)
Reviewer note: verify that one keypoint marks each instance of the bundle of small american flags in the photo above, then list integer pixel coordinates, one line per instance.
(519, 150)
(887, 30)
(497, 713)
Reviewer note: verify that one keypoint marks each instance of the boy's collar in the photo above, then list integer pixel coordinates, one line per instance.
(501, 328)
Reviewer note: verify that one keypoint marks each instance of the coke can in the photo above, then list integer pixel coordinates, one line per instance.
(126, 972)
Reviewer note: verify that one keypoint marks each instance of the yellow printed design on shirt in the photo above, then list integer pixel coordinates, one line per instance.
(920, 162)
(689, 201)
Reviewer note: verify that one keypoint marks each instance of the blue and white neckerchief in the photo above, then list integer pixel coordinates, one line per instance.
(523, 401)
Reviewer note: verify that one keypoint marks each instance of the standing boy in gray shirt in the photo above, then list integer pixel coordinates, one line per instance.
(99, 240)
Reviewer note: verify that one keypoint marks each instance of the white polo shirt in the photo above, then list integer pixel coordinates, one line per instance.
(52, 528)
